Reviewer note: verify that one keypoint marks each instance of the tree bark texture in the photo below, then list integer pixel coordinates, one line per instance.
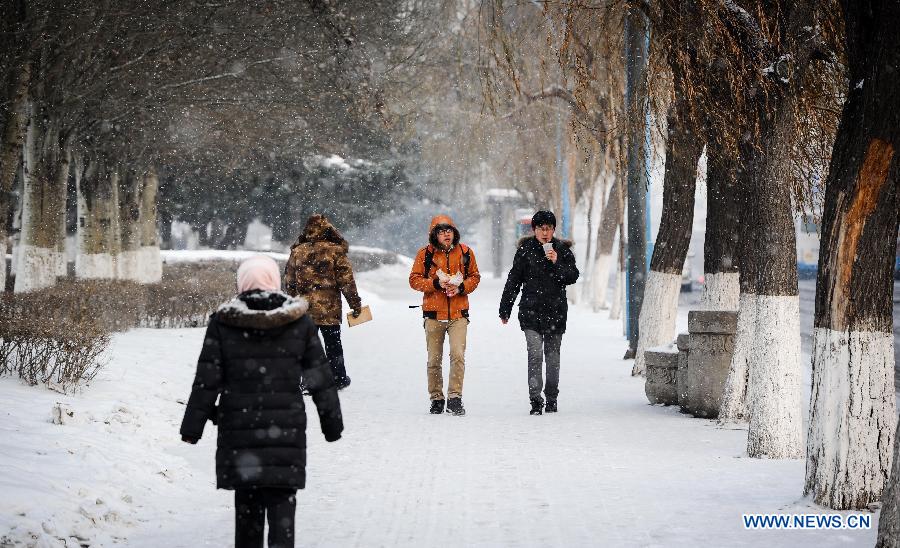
(852, 403)
(770, 270)
(46, 169)
(721, 288)
(129, 211)
(151, 261)
(768, 266)
(11, 146)
(98, 221)
(610, 218)
(684, 146)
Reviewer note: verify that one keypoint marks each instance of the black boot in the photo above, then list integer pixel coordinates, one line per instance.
(550, 407)
(339, 371)
(537, 406)
(437, 407)
(455, 406)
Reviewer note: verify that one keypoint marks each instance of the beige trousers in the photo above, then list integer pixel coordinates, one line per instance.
(435, 332)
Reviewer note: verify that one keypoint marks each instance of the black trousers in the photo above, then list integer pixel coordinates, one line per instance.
(334, 350)
(253, 506)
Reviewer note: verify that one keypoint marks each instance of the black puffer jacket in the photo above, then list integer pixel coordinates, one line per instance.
(543, 307)
(258, 348)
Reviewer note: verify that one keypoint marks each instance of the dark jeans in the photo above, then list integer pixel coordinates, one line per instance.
(543, 347)
(253, 506)
(334, 350)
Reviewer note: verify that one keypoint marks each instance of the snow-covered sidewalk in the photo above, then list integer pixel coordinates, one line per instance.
(607, 470)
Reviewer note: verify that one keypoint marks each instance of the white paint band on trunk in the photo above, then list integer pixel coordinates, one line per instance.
(36, 268)
(656, 324)
(615, 309)
(721, 291)
(91, 266)
(734, 397)
(852, 414)
(128, 265)
(600, 282)
(773, 389)
(150, 265)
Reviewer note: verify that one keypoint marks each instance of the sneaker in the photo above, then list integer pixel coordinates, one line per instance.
(437, 407)
(342, 383)
(455, 407)
(537, 406)
(550, 407)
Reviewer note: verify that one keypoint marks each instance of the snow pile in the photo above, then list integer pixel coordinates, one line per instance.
(92, 479)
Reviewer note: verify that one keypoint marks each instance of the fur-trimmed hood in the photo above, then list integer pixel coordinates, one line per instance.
(258, 309)
(319, 229)
(566, 242)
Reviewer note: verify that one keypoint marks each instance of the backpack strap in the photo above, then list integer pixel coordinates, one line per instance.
(429, 260)
(466, 258)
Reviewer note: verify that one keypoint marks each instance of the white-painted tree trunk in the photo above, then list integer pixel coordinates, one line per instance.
(615, 309)
(128, 263)
(852, 417)
(773, 388)
(151, 259)
(734, 398)
(97, 224)
(721, 291)
(151, 265)
(659, 311)
(600, 282)
(36, 268)
(39, 256)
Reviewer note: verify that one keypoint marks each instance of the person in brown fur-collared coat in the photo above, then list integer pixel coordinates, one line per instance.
(320, 271)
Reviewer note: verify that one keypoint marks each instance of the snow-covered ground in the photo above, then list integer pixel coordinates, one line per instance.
(607, 470)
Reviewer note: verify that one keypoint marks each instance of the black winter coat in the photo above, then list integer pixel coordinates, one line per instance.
(543, 307)
(258, 349)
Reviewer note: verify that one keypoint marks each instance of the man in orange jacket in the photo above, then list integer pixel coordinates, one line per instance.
(446, 272)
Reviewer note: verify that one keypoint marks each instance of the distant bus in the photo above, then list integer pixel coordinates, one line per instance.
(523, 224)
(808, 249)
(807, 246)
(897, 261)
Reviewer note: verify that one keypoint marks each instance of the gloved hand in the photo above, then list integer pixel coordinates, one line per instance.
(356, 312)
(191, 441)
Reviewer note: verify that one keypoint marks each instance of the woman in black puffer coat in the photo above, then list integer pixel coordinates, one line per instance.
(258, 349)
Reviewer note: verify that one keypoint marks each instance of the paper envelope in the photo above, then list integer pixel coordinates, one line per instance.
(365, 315)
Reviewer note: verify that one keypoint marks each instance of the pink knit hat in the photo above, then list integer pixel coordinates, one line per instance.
(258, 272)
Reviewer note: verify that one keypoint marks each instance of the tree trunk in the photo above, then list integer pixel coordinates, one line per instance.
(726, 242)
(770, 268)
(11, 148)
(98, 239)
(615, 311)
(46, 171)
(721, 289)
(129, 210)
(660, 308)
(151, 261)
(610, 218)
(852, 411)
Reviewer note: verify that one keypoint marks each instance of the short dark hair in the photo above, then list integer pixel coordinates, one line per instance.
(543, 218)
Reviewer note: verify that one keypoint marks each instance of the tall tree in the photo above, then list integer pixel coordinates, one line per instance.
(852, 405)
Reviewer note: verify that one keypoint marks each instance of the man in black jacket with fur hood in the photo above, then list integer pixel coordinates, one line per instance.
(542, 268)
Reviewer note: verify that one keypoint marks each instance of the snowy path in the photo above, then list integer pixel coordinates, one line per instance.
(608, 470)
